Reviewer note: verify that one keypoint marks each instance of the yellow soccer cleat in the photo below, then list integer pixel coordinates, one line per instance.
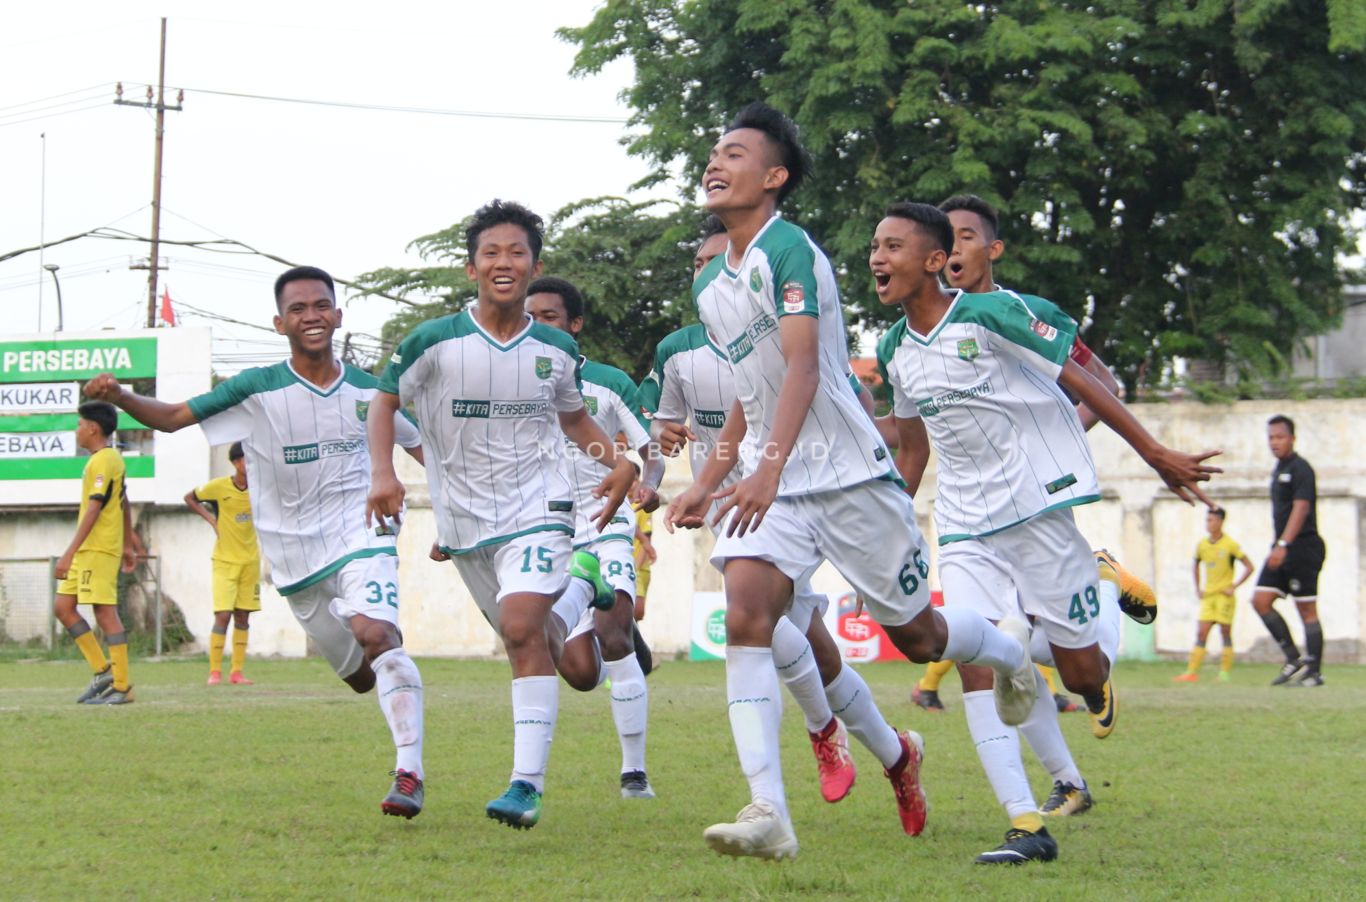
(1136, 598)
(1103, 721)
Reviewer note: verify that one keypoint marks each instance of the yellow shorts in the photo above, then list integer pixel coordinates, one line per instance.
(236, 587)
(93, 578)
(642, 580)
(1218, 608)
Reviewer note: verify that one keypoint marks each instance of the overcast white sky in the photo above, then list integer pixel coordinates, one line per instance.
(339, 188)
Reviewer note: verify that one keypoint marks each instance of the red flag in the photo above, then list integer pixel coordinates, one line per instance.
(167, 313)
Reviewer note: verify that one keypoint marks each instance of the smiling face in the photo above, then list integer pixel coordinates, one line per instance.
(503, 265)
(743, 172)
(975, 248)
(308, 316)
(903, 259)
(548, 308)
(713, 247)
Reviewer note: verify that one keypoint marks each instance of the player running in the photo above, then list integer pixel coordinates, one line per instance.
(818, 483)
(983, 373)
(302, 424)
(689, 392)
(236, 564)
(603, 644)
(496, 394)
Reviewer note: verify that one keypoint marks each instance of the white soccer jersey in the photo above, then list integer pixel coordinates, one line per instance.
(489, 415)
(691, 382)
(783, 273)
(984, 380)
(308, 463)
(610, 396)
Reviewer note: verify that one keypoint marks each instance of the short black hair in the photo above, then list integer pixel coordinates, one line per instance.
(929, 218)
(974, 204)
(570, 296)
(712, 225)
(1218, 512)
(505, 212)
(301, 274)
(782, 131)
(102, 414)
(1285, 421)
(235, 452)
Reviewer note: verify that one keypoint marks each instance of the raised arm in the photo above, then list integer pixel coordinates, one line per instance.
(1180, 471)
(160, 415)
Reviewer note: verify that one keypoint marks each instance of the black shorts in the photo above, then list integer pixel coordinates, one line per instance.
(1298, 575)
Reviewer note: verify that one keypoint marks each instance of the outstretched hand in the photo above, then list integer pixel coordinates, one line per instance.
(1183, 472)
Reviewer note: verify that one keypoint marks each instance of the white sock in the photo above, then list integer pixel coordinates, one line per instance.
(630, 709)
(998, 746)
(795, 662)
(571, 604)
(1044, 734)
(1040, 652)
(1110, 623)
(852, 701)
(398, 686)
(973, 640)
(756, 709)
(535, 705)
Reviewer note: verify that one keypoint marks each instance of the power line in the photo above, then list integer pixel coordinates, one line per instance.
(44, 100)
(84, 109)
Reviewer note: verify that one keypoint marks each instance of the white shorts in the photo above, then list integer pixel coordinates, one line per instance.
(807, 604)
(367, 586)
(537, 563)
(1042, 567)
(868, 532)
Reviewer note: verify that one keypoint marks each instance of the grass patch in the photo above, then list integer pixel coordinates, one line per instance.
(1205, 791)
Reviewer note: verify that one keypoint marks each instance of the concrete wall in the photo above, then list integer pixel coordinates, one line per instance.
(1152, 531)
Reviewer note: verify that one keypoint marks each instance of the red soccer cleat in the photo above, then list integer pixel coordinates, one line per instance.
(911, 804)
(237, 679)
(833, 760)
(215, 677)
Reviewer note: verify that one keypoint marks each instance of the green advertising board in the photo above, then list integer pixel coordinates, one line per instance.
(40, 389)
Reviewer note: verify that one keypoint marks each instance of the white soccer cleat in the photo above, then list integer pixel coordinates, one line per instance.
(759, 832)
(1016, 691)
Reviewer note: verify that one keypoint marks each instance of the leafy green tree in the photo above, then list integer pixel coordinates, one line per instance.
(1178, 173)
(632, 261)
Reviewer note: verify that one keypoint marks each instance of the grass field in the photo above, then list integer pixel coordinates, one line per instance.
(1206, 791)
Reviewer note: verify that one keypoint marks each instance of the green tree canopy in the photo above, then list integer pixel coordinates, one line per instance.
(632, 261)
(1182, 172)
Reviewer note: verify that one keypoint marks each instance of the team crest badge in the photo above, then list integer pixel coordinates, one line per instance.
(543, 367)
(967, 349)
(592, 404)
(362, 410)
(756, 281)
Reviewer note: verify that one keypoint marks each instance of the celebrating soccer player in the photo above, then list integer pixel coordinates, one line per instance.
(496, 394)
(302, 424)
(818, 480)
(982, 372)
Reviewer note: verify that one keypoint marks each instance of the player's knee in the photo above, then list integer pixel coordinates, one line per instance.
(362, 681)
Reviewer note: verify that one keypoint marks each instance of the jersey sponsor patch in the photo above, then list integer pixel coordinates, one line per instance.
(498, 410)
(312, 451)
(759, 327)
(99, 480)
(929, 407)
(1043, 329)
(794, 297)
(712, 419)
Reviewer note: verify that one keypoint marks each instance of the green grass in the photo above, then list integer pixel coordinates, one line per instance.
(1206, 791)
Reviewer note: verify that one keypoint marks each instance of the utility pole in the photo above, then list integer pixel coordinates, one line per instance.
(154, 261)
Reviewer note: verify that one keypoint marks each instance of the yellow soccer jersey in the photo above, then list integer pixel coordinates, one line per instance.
(1218, 558)
(102, 480)
(236, 533)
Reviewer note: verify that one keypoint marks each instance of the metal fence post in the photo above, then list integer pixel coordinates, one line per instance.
(51, 603)
(158, 572)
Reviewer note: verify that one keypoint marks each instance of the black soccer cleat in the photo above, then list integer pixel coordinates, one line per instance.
(635, 785)
(99, 685)
(1021, 846)
(1310, 678)
(926, 698)
(1288, 670)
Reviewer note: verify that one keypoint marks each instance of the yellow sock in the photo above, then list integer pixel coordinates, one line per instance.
(934, 673)
(1196, 659)
(90, 647)
(239, 649)
(1033, 822)
(1226, 660)
(216, 642)
(1050, 677)
(118, 656)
